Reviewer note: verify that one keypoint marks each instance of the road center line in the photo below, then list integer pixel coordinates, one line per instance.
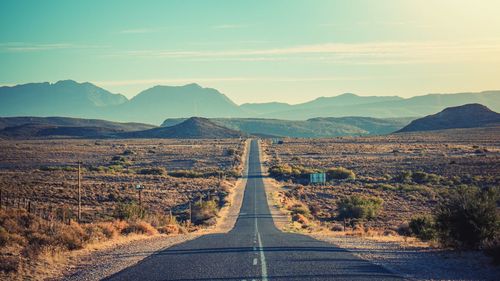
(259, 239)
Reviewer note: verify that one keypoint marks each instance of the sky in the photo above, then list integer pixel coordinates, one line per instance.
(256, 51)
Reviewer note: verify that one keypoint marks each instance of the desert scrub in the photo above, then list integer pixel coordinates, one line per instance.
(293, 172)
(204, 211)
(152, 171)
(340, 173)
(129, 211)
(359, 207)
(186, 174)
(423, 227)
(469, 219)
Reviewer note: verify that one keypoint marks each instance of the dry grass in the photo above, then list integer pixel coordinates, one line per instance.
(29, 241)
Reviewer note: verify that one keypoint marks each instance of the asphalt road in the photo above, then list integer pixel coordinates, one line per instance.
(254, 250)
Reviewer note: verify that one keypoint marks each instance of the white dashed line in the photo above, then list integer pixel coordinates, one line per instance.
(254, 261)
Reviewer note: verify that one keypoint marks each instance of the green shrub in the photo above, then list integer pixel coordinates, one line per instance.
(231, 151)
(152, 171)
(469, 218)
(359, 207)
(300, 209)
(340, 173)
(492, 249)
(385, 186)
(423, 227)
(129, 211)
(186, 174)
(423, 177)
(404, 177)
(204, 210)
(128, 152)
(280, 171)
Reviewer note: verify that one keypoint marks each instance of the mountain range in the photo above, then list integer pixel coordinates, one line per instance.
(85, 100)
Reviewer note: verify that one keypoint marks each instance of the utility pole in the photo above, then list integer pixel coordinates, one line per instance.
(190, 212)
(79, 192)
(140, 197)
(139, 189)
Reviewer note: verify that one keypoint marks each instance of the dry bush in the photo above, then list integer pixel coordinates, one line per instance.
(109, 229)
(140, 227)
(203, 211)
(340, 173)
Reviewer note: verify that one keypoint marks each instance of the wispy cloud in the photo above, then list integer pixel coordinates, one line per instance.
(362, 53)
(34, 47)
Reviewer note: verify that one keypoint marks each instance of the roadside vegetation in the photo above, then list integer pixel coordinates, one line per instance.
(183, 185)
(441, 189)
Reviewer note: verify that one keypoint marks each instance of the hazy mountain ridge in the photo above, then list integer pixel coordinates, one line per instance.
(312, 128)
(63, 98)
(465, 116)
(72, 99)
(157, 103)
(414, 106)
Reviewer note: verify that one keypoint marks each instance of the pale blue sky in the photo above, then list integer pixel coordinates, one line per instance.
(256, 51)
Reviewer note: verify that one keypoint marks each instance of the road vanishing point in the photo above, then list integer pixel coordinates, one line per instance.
(254, 250)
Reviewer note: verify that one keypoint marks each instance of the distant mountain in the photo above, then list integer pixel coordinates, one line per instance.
(395, 107)
(346, 99)
(254, 109)
(64, 98)
(192, 128)
(465, 116)
(312, 128)
(72, 122)
(72, 99)
(155, 104)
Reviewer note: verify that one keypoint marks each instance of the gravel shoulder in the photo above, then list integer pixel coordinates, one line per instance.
(100, 261)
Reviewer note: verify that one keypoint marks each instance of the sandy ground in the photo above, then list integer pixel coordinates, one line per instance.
(99, 261)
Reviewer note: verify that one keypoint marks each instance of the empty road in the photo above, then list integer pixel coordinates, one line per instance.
(254, 250)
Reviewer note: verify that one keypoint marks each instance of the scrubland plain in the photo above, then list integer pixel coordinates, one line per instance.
(410, 173)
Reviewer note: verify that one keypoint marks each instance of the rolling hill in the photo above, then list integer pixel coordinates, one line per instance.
(312, 128)
(192, 128)
(31, 131)
(65, 127)
(72, 122)
(465, 116)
